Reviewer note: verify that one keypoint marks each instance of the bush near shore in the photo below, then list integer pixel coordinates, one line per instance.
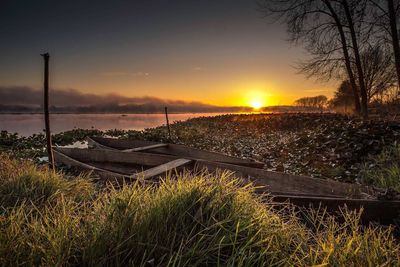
(197, 220)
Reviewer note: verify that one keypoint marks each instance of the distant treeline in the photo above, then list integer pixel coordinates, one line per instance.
(313, 102)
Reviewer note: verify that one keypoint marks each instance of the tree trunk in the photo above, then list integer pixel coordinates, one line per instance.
(395, 37)
(346, 55)
(363, 90)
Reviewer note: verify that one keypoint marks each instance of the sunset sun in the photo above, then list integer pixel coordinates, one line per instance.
(256, 103)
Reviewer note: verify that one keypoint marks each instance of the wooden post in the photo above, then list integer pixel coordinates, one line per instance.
(169, 129)
(46, 58)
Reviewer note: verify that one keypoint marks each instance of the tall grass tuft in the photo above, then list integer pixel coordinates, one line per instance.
(40, 215)
(22, 182)
(197, 220)
(383, 170)
(187, 220)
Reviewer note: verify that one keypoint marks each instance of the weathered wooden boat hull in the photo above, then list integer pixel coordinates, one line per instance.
(274, 182)
(169, 149)
(111, 165)
(301, 191)
(277, 182)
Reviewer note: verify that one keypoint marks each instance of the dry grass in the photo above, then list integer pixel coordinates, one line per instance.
(194, 220)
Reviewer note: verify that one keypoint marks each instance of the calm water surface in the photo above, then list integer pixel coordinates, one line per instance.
(28, 124)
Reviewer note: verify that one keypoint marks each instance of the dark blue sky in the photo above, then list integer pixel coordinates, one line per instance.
(218, 52)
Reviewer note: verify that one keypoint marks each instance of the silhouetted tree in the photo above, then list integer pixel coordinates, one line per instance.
(343, 97)
(321, 26)
(379, 71)
(352, 10)
(317, 102)
(385, 16)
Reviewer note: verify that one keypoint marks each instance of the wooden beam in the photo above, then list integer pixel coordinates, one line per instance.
(272, 182)
(384, 212)
(71, 162)
(169, 129)
(174, 149)
(163, 168)
(93, 144)
(120, 144)
(46, 58)
(118, 157)
(143, 148)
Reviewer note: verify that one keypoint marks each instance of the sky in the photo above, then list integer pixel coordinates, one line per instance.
(218, 52)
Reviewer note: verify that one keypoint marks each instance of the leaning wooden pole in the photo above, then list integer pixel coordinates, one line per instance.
(46, 58)
(169, 129)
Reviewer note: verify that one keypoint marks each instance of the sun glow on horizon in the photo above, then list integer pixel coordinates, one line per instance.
(256, 103)
(256, 99)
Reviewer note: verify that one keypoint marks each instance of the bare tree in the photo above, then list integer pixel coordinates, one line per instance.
(349, 14)
(379, 71)
(385, 16)
(319, 25)
(343, 39)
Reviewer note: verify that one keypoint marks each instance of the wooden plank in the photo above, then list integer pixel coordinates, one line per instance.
(143, 148)
(383, 212)
(273, 182)
(118, 143)
(71, 162)
(192, 153)
(116, 156)
(155, 171)
(163, 168)
(93, 144)
(121, 168)
(177, 150)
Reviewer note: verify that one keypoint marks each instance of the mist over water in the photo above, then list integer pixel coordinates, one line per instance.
(28, 124)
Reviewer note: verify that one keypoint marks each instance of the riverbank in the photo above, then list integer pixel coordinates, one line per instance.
(29, 124)
(320, 145)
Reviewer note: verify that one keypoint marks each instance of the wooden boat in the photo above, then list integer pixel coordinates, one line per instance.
(168, 149)
(302, 191)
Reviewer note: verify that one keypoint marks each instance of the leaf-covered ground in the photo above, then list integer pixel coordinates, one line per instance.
(327, 145)
(320, 145)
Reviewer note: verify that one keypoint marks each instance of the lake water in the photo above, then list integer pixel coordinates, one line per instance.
(28, 124)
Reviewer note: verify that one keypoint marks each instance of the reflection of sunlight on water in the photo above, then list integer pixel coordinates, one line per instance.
(28, 124)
